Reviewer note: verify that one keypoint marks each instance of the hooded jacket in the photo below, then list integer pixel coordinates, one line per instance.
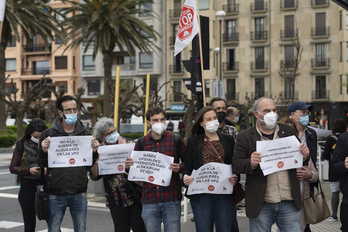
(69, 180)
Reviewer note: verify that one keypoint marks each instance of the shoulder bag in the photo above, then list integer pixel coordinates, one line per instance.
(41, 200)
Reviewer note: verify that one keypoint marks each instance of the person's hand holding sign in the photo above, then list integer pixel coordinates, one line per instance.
(233, 179)
(129, 162)
(174, 167)
(255, 159)
(95, 144)
(304, 150)
(45, 144)
(187, 180)
(303, 173)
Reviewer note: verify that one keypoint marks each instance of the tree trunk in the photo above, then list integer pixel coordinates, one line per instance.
(108, 85)
(3, 114)
(19, 123)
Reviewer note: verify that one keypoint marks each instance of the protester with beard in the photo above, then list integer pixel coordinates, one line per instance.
(220, 105)
(161, 204)
(275, 198)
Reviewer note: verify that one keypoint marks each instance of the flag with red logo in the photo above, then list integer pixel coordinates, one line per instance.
(188, 26)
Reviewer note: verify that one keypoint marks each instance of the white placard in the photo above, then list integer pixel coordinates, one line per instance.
(211, 178)
(70, 151)
(151, 167)
(279, 154)
(112, 158)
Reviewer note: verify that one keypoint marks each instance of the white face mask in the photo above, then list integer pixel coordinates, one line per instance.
(35, 140)
(158, 128)
(212, 126)
(236, 119)
(269, 119)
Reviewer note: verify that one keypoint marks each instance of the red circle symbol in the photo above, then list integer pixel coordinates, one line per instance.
(151, 178)
(186, 22)
(211, 188)
(72, 161)
(120, 167)
(280, 164)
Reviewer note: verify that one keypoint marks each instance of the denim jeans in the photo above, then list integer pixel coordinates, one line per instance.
(211, 208)
(168, 212)
(78, 210)
(284, 214)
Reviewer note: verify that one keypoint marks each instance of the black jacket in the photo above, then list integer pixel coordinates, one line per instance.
(338, 159)
(311, 138)
(328, 153)
(70, 180)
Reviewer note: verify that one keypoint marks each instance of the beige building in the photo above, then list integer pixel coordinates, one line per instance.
(256, 36)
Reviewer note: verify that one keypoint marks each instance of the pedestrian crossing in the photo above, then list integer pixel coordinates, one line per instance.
(11, 225)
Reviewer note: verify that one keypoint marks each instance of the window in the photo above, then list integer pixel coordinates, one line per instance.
(320, 87)
(231, 31)
(13, 42)
(230, 58)
(60, 15)
(340, 51)
(320, 55)
(61, 62)
(320, 24)
(289, 3)
(147, 7)
(177, 68)
(347, 52)
(288, 90)
(341, 84)
(289, 56)
(340, 20)
(204, 4)
(146, 60)
(177, 91)
(207, 88)
(259, 87)
(175, 32)
(320, 2)
(10, 65)
(61, 84)
(88, 63)
(346, 20)
(153, 84)
(126, 62)
(259, 5)
(289, 26)
(231, 89)
(259, 28)
(259, 58)
(57, 40)
(93, 87)
(10, 88)
(41, 67)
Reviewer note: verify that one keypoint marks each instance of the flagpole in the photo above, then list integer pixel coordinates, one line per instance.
(200, 52)
(1, 23)
(117, 95)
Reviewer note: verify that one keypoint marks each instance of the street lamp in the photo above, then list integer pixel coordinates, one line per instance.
(216, 56)
(220, 15)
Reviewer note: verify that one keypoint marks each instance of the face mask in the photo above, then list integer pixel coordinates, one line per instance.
(70, 118)
(212, 126)
(158, 128)
(35, 140)
(270, 120)
(236, 119)
(221, 116)
(304, 120)
(111, 139)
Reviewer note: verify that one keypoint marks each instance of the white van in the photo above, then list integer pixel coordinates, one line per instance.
(12, 122)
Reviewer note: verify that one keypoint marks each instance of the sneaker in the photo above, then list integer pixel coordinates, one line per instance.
(331, 219)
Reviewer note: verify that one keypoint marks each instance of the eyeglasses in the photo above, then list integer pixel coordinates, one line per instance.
(305, 114)
(109, 133)
(70, 110)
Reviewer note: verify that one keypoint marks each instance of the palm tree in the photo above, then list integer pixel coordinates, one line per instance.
(106, 24)
(30, 18)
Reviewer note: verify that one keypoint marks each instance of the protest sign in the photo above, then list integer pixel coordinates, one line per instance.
(279, 154)
(70, 151)
(151, 167)
(211, 178)
(112, 158)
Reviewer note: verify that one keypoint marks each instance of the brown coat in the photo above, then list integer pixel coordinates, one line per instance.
(256, 182)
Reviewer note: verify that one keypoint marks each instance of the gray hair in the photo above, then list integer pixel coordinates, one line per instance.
(101, 126)
(257, 102)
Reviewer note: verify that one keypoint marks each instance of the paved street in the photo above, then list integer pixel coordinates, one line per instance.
(99, 219)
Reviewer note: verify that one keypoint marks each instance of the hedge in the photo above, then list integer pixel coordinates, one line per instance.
(7, 140)
(133, 136)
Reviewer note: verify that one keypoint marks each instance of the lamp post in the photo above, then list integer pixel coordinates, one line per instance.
(216, 56)
(220, 15)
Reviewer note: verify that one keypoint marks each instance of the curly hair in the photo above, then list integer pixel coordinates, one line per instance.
(101, 126)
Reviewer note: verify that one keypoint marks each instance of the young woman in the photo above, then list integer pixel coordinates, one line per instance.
(207, 145)
(24, 164)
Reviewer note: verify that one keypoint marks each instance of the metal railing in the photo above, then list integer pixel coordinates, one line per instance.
(286, 95)
(259, 65)
(288, 4)
(36, 71)
(230, 37)
(325, 62)
(258, 6)
(37, 48)
(178, 69)
(258, 35)
(320, 31)
(174, 13)
(288, 33)
(231, 8)
(321, 94)
(230, 66)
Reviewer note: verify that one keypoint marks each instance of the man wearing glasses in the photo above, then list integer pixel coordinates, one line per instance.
(66, 186)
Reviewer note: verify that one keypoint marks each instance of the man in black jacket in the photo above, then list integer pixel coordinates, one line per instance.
(67, 186)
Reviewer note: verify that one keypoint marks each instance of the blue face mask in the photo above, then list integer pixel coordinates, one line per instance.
(70, 118)
(304, 120)
(111, 139)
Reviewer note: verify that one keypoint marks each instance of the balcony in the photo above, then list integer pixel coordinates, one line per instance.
(232, 96)
(286, 95)
(38, 48)
(175, 97)
(288, 64)
(127, 67)
(321, 95)
(231, 9)
(231, 37)
(258, 36)
(288, 5)
(174, 14)
(320, 32)
(320, 3)
(258, 94)
(320, 63)
(230, 66)
(259, 66)
(36, 71)
(259, 7)
(288, 34)
(176, 69)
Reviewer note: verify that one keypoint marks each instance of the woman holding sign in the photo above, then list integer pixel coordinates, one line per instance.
(207, 146)
(122, 196)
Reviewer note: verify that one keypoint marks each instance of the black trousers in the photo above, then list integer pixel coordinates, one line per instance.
(127, 218)
(344, 216)
(26, 198)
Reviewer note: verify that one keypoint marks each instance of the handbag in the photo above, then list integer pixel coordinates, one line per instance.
(315, 207)
(41, 200)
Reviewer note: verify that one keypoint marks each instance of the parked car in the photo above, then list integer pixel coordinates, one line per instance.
(12, 122)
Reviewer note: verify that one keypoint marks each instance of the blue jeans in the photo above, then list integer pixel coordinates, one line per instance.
(78, 210)
(210, 208)
(284, 214)
(168, 212)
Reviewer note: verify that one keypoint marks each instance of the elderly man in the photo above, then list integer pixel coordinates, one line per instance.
(232, 116)
(277, 196)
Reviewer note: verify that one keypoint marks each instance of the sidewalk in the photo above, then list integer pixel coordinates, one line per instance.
(189, 226)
